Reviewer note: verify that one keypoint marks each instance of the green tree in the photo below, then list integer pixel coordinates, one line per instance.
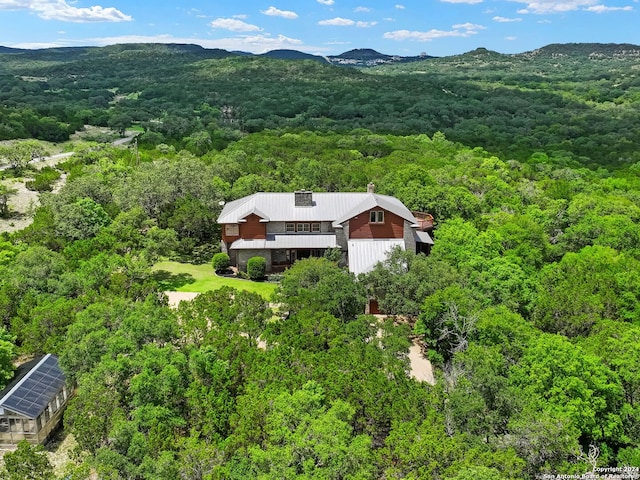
(566, 383)
(28, 463)
(403, 280)
(319, 284)
(81, 219)
(584, 287)
(20, 154)
(307, 438)
(7, 355)
(5, 194)
(120, 122)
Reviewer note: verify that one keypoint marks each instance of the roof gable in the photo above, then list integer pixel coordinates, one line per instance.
(373, 200)
(336, 207)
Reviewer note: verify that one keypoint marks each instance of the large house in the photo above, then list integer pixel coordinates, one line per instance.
(285, 227)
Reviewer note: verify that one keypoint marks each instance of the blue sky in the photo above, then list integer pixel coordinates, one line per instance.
(326, 27)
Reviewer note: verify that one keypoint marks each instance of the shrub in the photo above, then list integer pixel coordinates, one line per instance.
(43, 181)
(220, 262)
(256, 268)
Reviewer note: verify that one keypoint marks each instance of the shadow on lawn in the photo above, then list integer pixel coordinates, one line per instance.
(172, 281)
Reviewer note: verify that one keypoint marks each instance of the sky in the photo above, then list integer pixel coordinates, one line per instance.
(322, 27)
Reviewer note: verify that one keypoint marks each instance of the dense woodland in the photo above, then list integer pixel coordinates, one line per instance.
(527, 306)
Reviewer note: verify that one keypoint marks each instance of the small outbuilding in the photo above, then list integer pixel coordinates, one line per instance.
(31, 405)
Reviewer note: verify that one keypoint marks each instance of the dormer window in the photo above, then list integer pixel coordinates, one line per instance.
(376, 216)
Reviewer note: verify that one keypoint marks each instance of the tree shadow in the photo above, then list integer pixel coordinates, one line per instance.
(172, 281)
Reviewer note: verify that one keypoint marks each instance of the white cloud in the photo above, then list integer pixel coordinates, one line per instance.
(234, 25)
(604, 9)
(337, 22)
(460, 30)
(361, 9)
(506, 20)
(510, 39)
(366, 24)
(326, 2)
(61, 10)
(553, 6)
(469, 27)
(274, 12)
(400, 7)
(240, 16)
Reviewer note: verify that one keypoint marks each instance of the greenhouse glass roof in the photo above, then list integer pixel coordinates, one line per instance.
(33, 392)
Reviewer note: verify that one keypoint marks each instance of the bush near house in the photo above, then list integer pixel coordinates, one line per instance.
(220, 262)
(256, 268)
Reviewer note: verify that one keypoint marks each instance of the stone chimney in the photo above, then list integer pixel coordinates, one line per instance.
(303, 198)
(371, 188)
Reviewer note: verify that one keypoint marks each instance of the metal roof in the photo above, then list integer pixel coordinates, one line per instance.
(423, 237)
(365, 253)
(335, 207)
(31, 395)
(284, 241)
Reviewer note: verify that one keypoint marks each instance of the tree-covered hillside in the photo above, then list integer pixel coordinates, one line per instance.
(570, 101)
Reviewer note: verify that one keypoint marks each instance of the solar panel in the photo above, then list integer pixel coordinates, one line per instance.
(31, 395)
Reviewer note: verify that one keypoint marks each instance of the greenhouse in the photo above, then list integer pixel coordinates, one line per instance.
(31, 405)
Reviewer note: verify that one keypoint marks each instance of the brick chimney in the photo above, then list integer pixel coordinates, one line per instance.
(371, 188)
(303, 198)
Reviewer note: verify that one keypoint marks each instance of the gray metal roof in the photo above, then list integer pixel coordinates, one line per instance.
(284, 241)
(335, 207)
(31, 395)
(423, 237)
(364, 254)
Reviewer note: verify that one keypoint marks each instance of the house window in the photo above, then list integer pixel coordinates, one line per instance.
(290, 227)
(303, 227)
(315, 227)
(376, 216)
(232, 230)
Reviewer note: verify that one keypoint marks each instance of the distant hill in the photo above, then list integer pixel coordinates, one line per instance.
(10, 50)
(292, 55)
(366, 57)
(587, 50)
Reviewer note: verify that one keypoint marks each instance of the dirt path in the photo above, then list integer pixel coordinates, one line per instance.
(176, 297)
(25, 200)
(421, 368)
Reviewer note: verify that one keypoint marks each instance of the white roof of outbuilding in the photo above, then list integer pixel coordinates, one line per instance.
(335, 207)
(365, 253)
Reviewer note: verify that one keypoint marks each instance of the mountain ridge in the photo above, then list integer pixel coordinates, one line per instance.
(360, 57)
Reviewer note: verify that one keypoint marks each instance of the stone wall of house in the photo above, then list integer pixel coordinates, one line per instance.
(409, 238)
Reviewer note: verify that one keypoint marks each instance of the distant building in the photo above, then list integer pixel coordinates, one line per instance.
(31, 405)
(285, 227)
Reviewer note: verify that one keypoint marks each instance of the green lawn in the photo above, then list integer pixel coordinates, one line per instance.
(185, 277)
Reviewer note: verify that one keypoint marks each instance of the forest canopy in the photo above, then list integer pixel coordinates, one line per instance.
(527, 305)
